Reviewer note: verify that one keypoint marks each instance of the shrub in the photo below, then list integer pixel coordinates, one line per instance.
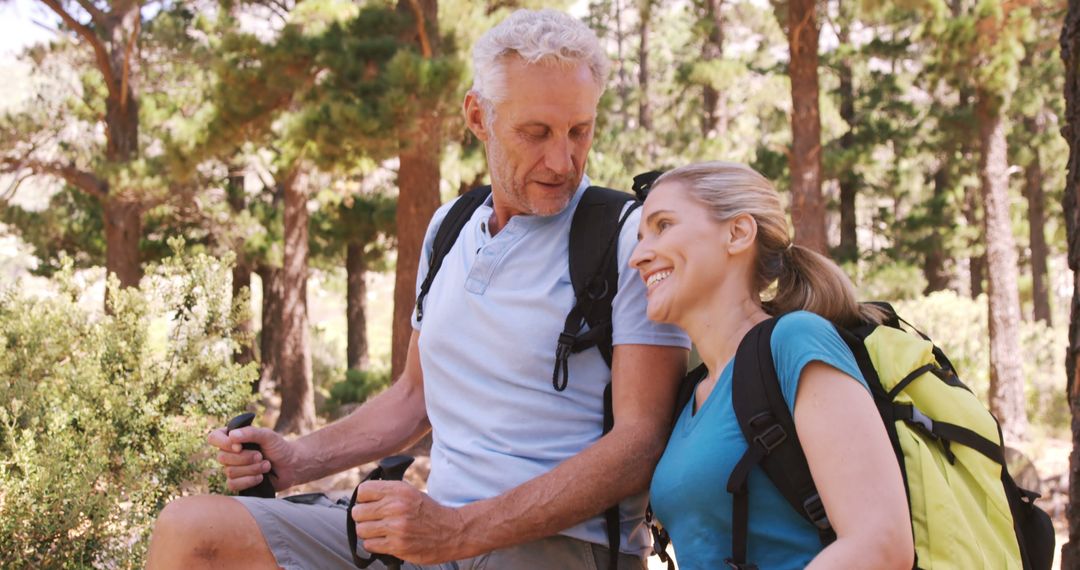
(958, 324)
(103, 417)
(358, 386)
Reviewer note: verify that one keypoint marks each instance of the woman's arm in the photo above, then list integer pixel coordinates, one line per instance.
(855, 471)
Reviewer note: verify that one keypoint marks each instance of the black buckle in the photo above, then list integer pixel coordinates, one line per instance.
(771, 438)
(918, 418)
(739, 566)
(815, 509)
(643, 183)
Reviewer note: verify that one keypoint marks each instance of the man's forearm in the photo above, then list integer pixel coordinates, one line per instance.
(617, 466)
(384, 425)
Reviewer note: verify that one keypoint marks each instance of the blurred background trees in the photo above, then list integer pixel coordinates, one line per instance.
(308, 142)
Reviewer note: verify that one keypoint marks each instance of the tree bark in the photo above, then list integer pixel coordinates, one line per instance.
(1006, 374)
(123, 230)
(1070, 56)
(934, 262)
(123, 213)
(356, 299)
(644, 107)
(1033, 191)
(849, 246)
(418, 198)
(270, 346)
(714, 120)
(977, 261)
(241, 282)
(234, 189)
(808, 204)
(297, 395)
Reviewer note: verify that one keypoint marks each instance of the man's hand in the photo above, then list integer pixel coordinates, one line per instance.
(394, 518)
(245, 468)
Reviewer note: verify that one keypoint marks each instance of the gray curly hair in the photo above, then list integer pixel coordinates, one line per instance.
(546, 37)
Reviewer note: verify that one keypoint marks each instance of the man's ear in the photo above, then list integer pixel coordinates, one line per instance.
(474, 116)
(742, 233)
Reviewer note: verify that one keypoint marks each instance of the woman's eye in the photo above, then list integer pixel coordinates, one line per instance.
(662, 225)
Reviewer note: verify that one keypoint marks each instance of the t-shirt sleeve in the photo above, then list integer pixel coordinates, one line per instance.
(426, 252)
(801, 338)
(630, 325)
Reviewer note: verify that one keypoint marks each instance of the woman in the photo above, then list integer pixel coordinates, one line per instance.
(713, 239)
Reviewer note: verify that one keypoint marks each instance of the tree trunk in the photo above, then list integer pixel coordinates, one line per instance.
(1033, 191)
(644, 107)
(849, 246)
(297, 395)
(270, 347)
(123, 230)
(234, 189)
(808, 204)
(356, 299)
(241, 282)
(1006, 374)
(934, 262)
(123, 213)
(418, 198)
(976, 261)
(714, 119)
(1070, 55)
(623, 83)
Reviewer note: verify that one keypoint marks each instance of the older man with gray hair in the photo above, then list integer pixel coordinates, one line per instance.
(520, 472)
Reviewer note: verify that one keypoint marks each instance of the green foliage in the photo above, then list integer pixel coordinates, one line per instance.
(358, 386)
(958, 325)
(103, 417)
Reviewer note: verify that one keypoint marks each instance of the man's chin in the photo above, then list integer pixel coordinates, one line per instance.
(552, 202)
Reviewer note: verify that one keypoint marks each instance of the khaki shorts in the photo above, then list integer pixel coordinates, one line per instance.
(307, 532)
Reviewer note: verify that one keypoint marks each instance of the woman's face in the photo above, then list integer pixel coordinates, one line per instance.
(679, 253)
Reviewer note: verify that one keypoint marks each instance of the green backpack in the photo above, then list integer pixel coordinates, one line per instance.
(966, 510)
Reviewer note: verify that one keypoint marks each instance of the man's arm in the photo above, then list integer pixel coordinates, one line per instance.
(394, 519)
(391, 421)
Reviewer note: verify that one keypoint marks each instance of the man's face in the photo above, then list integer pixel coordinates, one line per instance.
(540, 137)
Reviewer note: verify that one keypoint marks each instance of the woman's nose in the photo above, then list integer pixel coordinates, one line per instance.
(642, 254)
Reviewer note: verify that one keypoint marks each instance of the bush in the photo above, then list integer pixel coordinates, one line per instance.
(958, 325)
(358, 386)
(103, 417)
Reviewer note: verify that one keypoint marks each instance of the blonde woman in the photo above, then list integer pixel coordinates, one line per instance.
(713, 237)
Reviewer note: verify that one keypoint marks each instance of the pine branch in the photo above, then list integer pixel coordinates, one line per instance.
(100, 52)
(86, 181)
(96, 15)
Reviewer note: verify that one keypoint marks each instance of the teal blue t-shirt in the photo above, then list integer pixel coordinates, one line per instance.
(688, 491)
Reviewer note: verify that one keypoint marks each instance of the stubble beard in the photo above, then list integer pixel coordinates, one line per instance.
(515, 191)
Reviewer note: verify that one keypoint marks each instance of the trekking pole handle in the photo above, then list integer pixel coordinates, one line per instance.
(390, 469)
(265, 489)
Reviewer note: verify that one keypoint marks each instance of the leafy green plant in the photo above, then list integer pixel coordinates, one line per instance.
(103, 418)
(358, 386)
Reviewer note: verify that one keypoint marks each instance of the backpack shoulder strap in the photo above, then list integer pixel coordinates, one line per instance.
(594, 274)
(594, 268)
(769, 430)
(446, 235)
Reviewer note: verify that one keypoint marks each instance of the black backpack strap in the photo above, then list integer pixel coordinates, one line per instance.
(446, 235)
(594, 273)
(769, 429)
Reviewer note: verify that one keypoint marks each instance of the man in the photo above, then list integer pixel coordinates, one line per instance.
(520, 472)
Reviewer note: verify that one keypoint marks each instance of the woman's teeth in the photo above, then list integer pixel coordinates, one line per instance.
(657, 277)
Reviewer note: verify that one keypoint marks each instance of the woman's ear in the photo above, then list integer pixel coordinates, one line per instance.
(743, 232)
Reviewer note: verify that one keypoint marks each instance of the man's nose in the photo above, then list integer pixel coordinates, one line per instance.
(557, 156)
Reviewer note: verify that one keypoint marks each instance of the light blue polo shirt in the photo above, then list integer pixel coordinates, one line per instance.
(491, 324)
